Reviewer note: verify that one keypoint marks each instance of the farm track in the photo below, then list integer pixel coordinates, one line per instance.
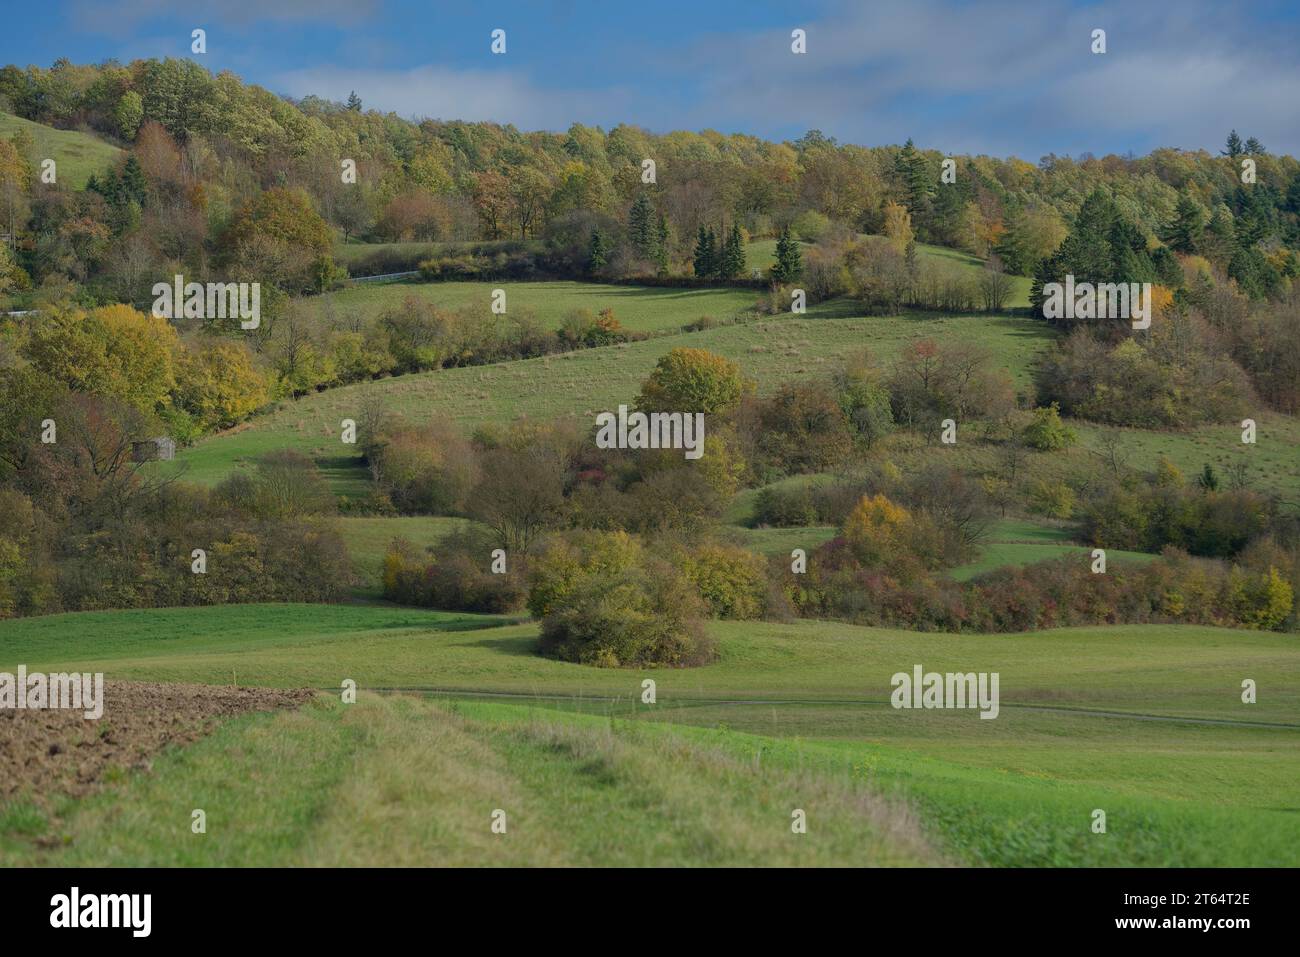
(680, 703)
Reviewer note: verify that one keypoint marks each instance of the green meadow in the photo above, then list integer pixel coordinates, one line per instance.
(761, 254)
(769, 351)
(639, 308)
(76, 155)
(1020, 542)
(1145, 723)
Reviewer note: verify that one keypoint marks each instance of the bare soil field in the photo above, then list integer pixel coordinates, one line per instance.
(54, 752)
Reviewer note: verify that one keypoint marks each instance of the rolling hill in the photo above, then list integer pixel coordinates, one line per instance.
(77, 155)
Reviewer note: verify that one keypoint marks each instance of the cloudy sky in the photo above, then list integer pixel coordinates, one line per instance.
(1005, 78)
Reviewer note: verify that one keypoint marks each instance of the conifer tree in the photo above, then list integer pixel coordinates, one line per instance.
(789, 264)
(640, 227)
(597, 252)
(1184, 232)
(706, 263)
(733, 255)
(911, 171)
(662, 243)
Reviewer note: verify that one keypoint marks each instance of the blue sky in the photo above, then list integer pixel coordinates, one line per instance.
(1004, 78)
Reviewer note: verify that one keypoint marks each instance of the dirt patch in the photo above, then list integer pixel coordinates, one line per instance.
(58, 751)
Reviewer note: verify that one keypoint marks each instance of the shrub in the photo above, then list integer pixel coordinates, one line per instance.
(732, 581)
(785, 507)
(604, 601)
(428, 470)
(1046, 432)
(803, 429)
(454, 575)
(1053, 499)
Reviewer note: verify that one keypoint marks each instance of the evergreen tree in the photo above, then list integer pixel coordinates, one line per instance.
(640, 227)
(1234, 145)
(597, 252)
(354, 102)
(706, 261)
(948, 209)
(1218, 241)
(789, 264)
(910, 168)
(733, 255)
(1184, 233)
(1254, 147)
(662, 243)
(1103, 247)
(133, 183)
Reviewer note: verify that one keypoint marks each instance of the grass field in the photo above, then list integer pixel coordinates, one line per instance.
(1019, 542)
(638, 308)
(1143, 722)
(76, 155)
(352, 252)
(761, 254)
(585, 382)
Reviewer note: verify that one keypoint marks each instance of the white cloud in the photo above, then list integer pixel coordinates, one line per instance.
(501, 96)
(120, 18)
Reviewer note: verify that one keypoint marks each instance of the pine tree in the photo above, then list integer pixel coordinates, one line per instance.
(354, 102)
(640, 227)
(662, 243)
(789, 264)
(1218, 241)
(911, 170)
(133, 182)
(1234, 145)
(1254, 147)
(1184, 233)
(597, 252)
(706, 261)
(733, 255)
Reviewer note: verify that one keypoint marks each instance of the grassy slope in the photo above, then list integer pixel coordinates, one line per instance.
(76, 155)
(808, 705)
(368, 538)
(638, 308)
(1148, 669)
(761, 254)
(1020, 542)
(582, 383)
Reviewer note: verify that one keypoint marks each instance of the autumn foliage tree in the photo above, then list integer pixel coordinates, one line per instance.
(692, 380)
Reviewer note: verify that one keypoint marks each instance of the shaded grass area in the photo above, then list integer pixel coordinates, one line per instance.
(1016, 542)
(368, 538)
(761, 254)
